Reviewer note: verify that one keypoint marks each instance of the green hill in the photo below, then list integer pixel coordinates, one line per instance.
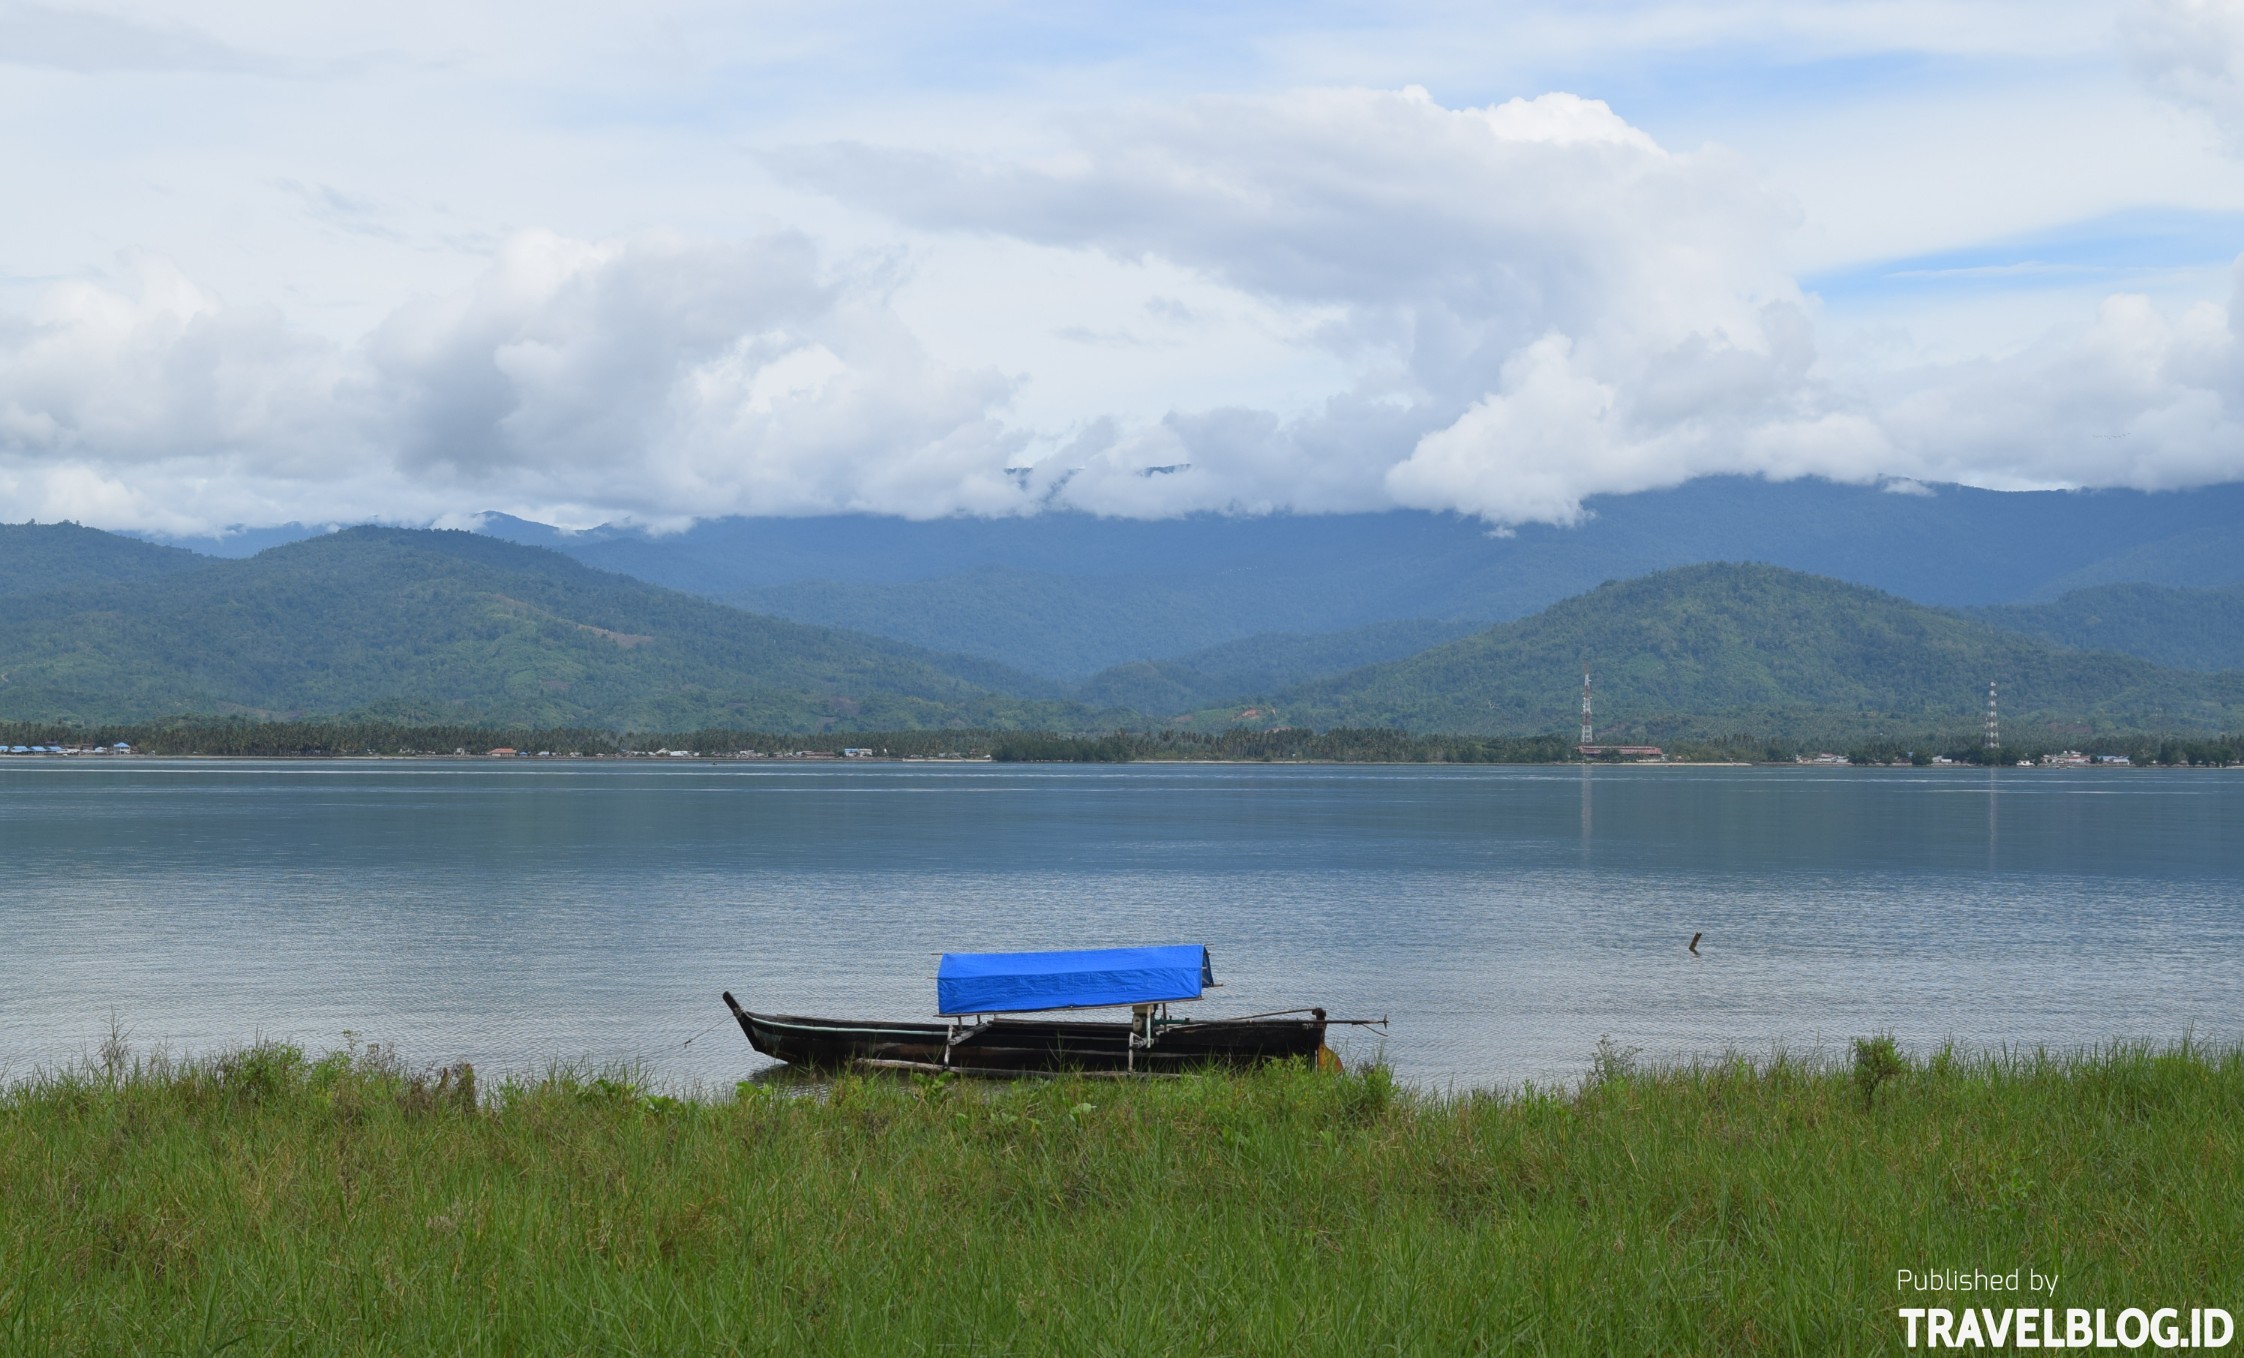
(38, 557)
(1677, 650)
(2190, 629)
(421, 625)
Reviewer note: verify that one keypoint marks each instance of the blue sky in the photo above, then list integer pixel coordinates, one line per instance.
(583, 263)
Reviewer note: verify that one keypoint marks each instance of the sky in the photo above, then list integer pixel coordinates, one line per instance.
(268, 263)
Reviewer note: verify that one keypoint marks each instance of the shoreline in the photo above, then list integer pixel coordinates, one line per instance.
(8, 759)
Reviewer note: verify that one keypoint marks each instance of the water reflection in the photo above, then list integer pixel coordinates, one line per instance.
(1994, 812)
(1585, 812)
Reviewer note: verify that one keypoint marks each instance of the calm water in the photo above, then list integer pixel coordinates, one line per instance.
(1504, 918)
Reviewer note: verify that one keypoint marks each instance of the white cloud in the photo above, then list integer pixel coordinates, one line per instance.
(149, 367)
(2138, 399)
(2192, 52)
(1378, 199)
(653, 378)
(1540, 302)
(666, 376)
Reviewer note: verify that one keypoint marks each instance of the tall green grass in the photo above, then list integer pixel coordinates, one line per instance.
(266, 1203)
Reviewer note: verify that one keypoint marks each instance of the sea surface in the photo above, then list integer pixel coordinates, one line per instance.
(1504, 919)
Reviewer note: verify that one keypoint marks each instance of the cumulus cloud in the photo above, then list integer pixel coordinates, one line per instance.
(655, 377)
(150, 366)
(664, 376)
(1544, 303)
(2137, 399)
(109, 390)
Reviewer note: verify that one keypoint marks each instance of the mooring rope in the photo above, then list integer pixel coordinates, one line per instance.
(706, 1031)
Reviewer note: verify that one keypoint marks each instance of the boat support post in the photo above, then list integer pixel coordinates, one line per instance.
(1141, 1018)
(958, 1034)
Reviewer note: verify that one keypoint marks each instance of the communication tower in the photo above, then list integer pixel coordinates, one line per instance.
(1588, 735)
(1994, 727)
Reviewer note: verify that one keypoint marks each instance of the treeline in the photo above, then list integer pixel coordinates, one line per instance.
(344, 738)
(309, 739)
(1367, 745)
(347, 738)
(1374, 745)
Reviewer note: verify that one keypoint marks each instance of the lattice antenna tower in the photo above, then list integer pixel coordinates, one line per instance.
(1588, 733)
(1994, 726)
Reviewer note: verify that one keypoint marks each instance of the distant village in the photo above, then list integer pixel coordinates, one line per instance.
(849, 752)
(119, 748)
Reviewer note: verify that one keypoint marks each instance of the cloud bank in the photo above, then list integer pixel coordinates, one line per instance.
(1532, 302)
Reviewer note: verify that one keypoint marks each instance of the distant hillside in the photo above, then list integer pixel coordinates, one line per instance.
(1255, 667)
(1700, 642)
(2190, 629)
(1058, 626)
(2204, 556)
(1066, 595)
(437, 625)
(38, 557)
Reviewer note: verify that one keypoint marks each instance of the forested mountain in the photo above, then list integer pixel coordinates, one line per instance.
(1066, 595)
(2191, 629)
(1710, 642)
(37, 557)
(442, 625)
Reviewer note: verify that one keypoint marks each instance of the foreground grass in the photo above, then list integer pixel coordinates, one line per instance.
(263, 1203)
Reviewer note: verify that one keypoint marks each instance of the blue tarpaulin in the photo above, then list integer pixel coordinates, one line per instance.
(1012, 982)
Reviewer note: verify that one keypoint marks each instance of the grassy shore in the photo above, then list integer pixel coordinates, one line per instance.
(267, 1203)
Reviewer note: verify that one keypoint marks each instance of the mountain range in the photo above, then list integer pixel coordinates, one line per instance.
(1072, 623)
(1065, 595)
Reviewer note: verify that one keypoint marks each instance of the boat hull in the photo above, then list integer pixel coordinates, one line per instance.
(1030, 1044)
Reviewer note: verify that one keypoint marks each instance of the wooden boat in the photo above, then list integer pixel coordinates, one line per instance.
(981, 1029)
(1002, 1043)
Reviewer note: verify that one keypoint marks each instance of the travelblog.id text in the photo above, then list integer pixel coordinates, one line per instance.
(2046, 1327)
